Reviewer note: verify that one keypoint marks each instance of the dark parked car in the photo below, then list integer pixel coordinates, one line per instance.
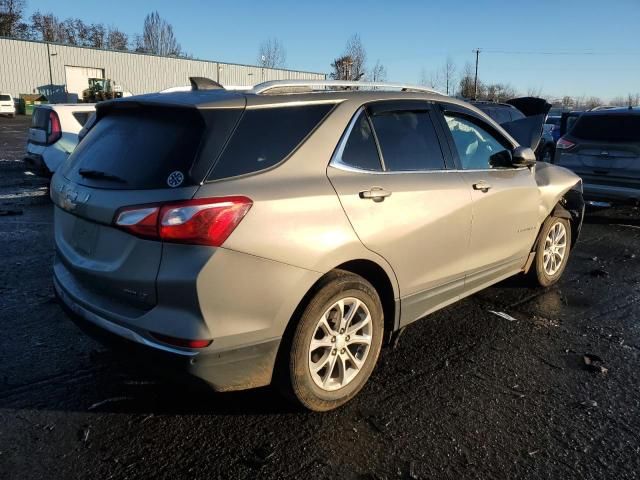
(507, 113)
(554, 126)
(603, 147)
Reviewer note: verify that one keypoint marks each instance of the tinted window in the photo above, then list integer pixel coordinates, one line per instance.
(502, 115)
(477, 149)
(516, 114)
(40, 118)
(81, 117)
(360, 149)
(553, 121)
(607, 128)
(142, 148)
(5, 98)
(408, 141)
(265, 137)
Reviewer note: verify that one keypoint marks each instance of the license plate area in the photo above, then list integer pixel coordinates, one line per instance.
(84, 236)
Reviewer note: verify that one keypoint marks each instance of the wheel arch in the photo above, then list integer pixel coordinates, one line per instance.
(571, 207)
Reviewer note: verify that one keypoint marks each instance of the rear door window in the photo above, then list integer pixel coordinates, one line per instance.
(5, 98)
(266, 137)
(408, 141)
(623, 128)
(138, 149)
(360, 150)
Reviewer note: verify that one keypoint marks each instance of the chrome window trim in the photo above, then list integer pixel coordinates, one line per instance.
(336, 158)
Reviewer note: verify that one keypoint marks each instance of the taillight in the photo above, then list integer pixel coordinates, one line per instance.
(564, 144)
(54, 131)
(203, 221)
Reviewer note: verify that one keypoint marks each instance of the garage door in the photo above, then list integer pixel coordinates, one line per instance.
(78, 79)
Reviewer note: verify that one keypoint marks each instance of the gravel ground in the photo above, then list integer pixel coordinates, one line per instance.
(465, 394)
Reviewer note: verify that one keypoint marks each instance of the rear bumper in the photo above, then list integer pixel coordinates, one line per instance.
(238, 368)
(611, 193)
(36, 163)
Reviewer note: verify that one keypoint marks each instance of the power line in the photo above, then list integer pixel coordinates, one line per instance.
(562, 52)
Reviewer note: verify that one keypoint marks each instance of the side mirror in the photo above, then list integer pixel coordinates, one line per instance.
(523, 157)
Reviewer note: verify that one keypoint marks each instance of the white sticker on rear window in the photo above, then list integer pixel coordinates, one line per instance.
(175, 179)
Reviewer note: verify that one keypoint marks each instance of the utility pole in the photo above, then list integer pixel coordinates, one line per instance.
(50, 72)
(475, 83)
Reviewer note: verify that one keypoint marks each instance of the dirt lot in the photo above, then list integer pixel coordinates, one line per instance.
(466, 393)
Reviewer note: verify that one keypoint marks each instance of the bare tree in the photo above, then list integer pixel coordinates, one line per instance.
(448, 73)
(358, 55)
(342, 68)
(467, 85)
(117, 40)
(567, 102)
(46, 27)
(592, 102)
(378, 72)
(272, 54)
(351, 65)
(534, 92)
(158, 37)
(11, 24)
(633, 99)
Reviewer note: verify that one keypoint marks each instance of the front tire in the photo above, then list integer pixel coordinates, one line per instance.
(552, 252)
(336, 343)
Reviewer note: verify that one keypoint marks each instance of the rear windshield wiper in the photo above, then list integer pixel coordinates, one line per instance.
(97, 174)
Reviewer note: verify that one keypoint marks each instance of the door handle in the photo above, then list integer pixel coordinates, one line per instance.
(484, 187)
(376, 194)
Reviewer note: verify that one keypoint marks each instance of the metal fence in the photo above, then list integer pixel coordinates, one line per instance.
(39, 67)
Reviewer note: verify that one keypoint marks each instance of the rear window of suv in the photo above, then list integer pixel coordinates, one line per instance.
(267, 136)
(138, 149)
(608, 128)
(5, 98)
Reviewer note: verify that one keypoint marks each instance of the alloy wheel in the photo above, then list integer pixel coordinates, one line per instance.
(340, 344)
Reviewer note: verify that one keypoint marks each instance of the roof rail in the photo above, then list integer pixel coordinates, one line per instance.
(319, 85)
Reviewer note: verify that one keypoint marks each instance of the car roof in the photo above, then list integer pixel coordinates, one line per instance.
(221, 98)
(613, 111)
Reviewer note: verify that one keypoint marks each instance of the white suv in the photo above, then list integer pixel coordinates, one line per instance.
(54, 135)
(7, 107)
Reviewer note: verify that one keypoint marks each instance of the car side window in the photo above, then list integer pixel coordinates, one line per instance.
(360, 150)
(477, 148)
(408, 141)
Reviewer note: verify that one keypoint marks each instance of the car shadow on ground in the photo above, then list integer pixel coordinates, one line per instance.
(620, 215)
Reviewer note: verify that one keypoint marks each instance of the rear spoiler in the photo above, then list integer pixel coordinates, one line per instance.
(528, 131)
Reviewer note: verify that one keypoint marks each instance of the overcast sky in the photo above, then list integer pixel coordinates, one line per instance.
(567, 47)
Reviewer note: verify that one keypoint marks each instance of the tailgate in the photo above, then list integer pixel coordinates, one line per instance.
(114, 269)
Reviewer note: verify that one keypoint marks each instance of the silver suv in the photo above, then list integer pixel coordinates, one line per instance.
(286, 232)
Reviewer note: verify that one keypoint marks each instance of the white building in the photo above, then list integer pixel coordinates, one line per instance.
(60, 72)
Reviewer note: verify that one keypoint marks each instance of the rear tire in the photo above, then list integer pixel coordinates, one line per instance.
(336, 343)
(552, 252)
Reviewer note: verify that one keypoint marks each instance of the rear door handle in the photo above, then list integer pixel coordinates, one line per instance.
(376, 194)
(484, 187)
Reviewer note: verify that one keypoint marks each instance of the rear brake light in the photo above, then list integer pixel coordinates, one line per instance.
(55, 131)
(205, 221)
(564, 144)
(182, 342)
